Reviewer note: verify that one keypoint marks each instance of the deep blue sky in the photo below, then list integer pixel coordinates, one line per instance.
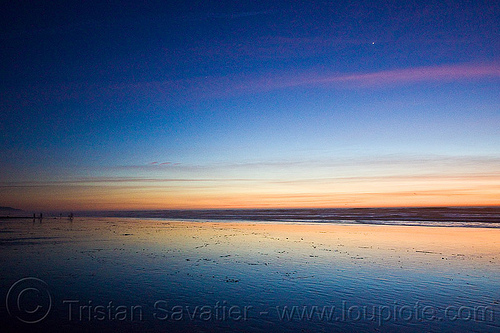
(268, 92)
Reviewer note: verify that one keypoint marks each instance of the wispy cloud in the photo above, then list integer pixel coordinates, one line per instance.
(103, 181)
(445, 73)
(365, 182)
(400, 160)
(412, 75)
(360, 169)
(215, 87)
(208, 87)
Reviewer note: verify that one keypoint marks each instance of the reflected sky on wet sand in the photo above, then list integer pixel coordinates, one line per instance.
(129, 274)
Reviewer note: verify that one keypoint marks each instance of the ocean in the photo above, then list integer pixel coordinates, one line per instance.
(483, 217)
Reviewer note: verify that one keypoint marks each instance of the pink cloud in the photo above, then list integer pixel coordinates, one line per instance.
(413, 75)
(199, 88)
(445, 73)
(227, 86)
(163, 163)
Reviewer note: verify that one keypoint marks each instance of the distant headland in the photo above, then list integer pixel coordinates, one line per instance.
(10, 209)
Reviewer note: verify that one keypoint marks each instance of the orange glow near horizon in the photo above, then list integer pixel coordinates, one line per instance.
(350, 193)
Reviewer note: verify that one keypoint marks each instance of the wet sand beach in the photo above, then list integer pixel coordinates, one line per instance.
(239, 276)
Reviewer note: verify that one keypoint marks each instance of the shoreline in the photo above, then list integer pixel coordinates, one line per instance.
(373, 242)
(477, 244)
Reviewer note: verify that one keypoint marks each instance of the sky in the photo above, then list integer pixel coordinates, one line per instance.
(249, 104)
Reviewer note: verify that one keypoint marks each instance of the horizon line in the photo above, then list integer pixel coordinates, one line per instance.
(256, 208)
